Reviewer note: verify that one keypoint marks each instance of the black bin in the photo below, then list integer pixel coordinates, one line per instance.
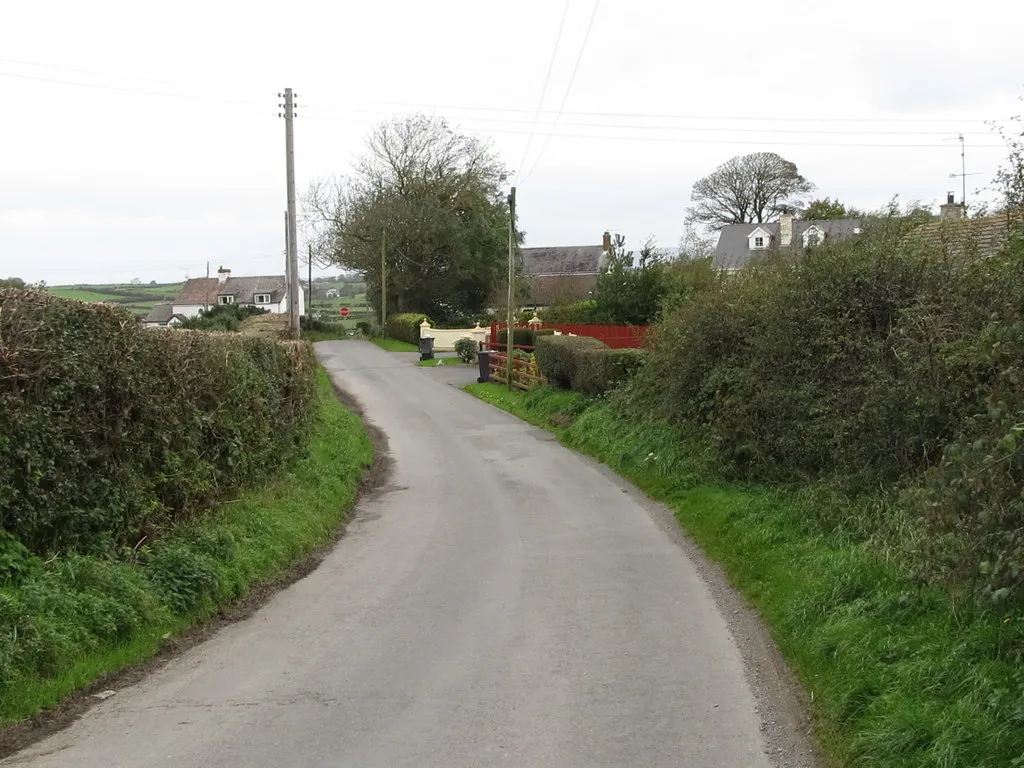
(484, 358)
(427, 348)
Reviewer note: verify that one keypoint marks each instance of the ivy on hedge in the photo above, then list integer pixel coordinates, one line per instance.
(110, 432)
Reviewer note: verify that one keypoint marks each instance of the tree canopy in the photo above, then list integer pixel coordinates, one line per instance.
(826, 208)
(747, 189)
(434, 200)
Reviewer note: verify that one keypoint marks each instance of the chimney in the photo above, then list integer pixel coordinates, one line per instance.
(786, 228)
(606, 242)
(951, 210)
(223, 275)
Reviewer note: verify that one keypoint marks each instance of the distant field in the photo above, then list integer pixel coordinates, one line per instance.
(138, 299)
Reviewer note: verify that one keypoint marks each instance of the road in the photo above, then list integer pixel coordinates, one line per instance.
(500, 601)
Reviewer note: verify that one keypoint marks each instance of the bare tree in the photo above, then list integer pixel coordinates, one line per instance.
(750, 188)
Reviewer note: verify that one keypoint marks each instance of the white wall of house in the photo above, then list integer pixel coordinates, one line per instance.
(278, 308)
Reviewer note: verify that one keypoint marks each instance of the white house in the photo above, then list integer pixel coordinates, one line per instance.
(266, 292)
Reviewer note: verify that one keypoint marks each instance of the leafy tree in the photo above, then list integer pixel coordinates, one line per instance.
(433, 197)
(826, 208)
(1009, 178)
(12, 282)
(747, 189)
(630, 290)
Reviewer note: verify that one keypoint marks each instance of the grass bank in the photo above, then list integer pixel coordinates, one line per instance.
(902, 675)
(394, 345)
(71, 619)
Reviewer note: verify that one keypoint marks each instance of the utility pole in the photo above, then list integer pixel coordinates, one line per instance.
(510, 338)
(293, 254)
(288, 276)
(383, 280)
(309, 297)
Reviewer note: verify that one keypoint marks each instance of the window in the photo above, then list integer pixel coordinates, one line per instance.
(261, 298)
(759, 242)
(225, 299)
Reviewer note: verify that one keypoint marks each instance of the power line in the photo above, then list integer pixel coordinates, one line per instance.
(128, 90)
(89, 71)
(685, 140)
(684, 128)
(544, 90)
(507, 110)
(568, 88)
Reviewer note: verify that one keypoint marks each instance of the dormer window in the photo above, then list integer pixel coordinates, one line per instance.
(759, 239)
(813, 236)
(225, 298)
(261, 298)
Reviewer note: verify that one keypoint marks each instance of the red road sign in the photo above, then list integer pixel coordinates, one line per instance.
(343, 311)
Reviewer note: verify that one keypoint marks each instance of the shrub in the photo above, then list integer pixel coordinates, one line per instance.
(405, 327)
(466, 349)
(523, 337)
(576, 313)
(558, 357)
(110, 432)
(224, 317)
(321, 326)
(601, 370)
(364, 328)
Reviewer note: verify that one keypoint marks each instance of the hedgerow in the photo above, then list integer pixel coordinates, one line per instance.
(111, 432)
(558, 358)
(405, 327)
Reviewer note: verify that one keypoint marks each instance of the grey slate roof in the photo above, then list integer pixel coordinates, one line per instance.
(160, 313)
(564, 260)
(733, 249)
(205, 290)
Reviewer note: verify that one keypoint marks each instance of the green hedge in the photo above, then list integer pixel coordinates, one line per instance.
(601, 370)
(576, 313)
(111, 432)
(523, 337)
(405, 327)
(559, 357)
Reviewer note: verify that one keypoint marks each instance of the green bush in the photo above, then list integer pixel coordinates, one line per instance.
(364, 328)
(223, 317)
(466, 349)
(601, 370)
(111, 432)
(405, 327)
(321, 326)
(523, 337)
(580, 312)
(559, 357)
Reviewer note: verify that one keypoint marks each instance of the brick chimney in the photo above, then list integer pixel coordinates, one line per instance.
(606, 242)
(223, 275)
(786, 228)
(951, 210)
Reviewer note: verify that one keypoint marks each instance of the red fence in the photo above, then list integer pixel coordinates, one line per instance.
(615, 336)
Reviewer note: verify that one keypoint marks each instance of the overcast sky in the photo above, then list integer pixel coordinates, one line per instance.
(178, 159)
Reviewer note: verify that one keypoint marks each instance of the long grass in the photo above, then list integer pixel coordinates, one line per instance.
(75, 618)
(902, 675)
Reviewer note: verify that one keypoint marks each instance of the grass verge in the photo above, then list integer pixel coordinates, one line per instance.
(901, 675)
(394, 345)
(441, 361)
(72, 619)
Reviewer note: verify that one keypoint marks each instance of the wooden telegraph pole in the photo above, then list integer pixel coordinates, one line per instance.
(293, 252)
(509, 338)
